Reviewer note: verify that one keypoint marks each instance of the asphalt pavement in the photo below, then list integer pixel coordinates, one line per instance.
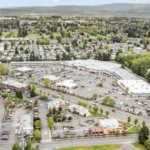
(119, 115)
(89, 142)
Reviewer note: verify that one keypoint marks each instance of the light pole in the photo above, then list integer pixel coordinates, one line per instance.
(22, 137)
(22, 134)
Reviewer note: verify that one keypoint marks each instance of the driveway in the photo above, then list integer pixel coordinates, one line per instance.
(46, 135)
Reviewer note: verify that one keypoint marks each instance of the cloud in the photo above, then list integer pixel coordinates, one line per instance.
(55, 1)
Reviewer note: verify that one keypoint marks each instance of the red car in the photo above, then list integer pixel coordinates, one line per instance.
(5, 132)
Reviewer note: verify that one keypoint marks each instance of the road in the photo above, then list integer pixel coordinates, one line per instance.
(46, 136)
(119, 115)
(2, 108)
(89, 142)
(80, 142)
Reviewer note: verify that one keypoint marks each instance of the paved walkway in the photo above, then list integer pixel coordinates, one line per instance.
(128, 147)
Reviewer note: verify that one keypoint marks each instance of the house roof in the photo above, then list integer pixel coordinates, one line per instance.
(135, 86)
(14, 83)
(24, 69)
(109, 123)
(96, 129)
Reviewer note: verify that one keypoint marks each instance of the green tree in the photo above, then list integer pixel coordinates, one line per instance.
(135, 121)
(95, 109)
(101, 111)
(19, 94)
(90, 106)
(16, 146)
(108, 101)
(143, 134)
(54, 110)
(147, 144)
(100, 84)
(46, 82)
(33, 87)
(129, 119)
(38, 124)
(37, 134)
(51, 123)
(127, 89)
(36, 102)
(143, 123)
(107, 113)
(28, 146)
(50, 112)
(32, 93)
(95, 96)
(105, 100)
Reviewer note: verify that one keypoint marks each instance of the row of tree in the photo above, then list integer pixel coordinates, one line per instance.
(105, 56)
(139, 64)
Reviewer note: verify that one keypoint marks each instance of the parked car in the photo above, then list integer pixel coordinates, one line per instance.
(124, 94)
(4, 137)
(5, 132)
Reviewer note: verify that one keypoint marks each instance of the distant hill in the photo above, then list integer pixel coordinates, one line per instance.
(115, 9)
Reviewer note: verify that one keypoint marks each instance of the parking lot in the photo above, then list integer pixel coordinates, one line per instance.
(87, 86)
(78, 126)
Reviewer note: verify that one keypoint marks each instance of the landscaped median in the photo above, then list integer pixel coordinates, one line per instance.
(133, 130)
(139, 146)
(97, 147)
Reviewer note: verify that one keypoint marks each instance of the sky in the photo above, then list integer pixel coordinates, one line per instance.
(9, 3)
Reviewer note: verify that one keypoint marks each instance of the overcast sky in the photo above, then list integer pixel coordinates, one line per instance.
(5, 3)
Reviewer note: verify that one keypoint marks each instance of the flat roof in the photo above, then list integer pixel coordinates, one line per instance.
(109, 123)
(93, 64)
(26, 120)
(51, 77)
(56, 103)
(136, 86)
(14, 83)
(67, 83)
(113, 68)
(124, 74)
(79, 109)
(23, 69)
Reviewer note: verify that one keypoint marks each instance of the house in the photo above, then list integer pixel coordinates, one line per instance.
(79, 110)
(24, 70)
(57, 103)
(52, 78)
(26, 124)
(96, 130)
(110, 126)
(13, 85)
(68, 84)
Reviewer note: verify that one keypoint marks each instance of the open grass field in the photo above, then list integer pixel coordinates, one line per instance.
(9, 34)
(126, 124)
(56, 34)
(133, 130)
(33, 36)
(98, 147)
